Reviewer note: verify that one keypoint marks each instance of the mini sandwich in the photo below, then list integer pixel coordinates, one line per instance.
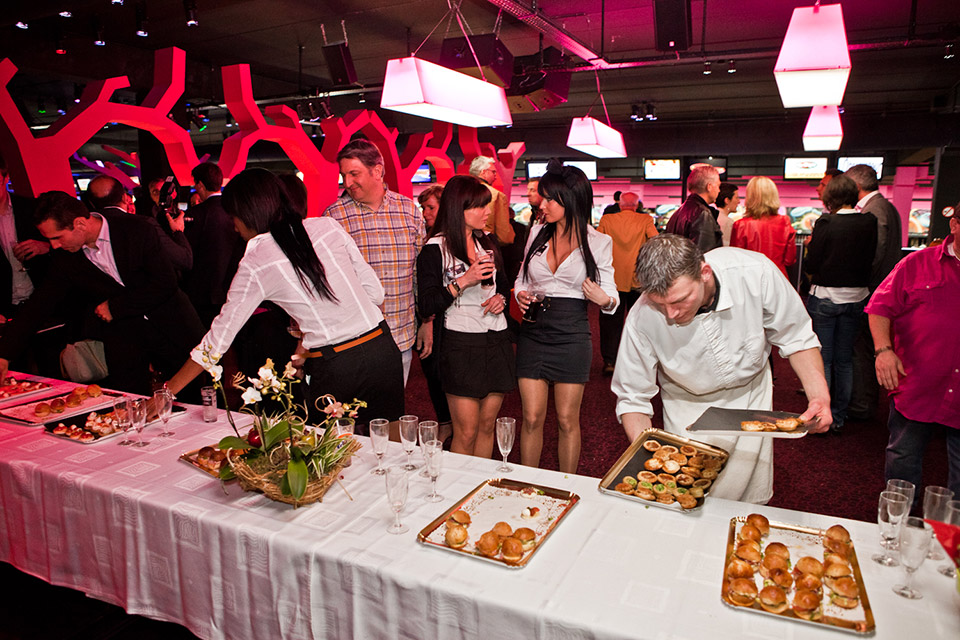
(456, 536)
(773, 599)
(845, 594)
(760, 522)
(811, 565)
(838, 533)
(511, 550)
(526, 537)
(750, 532)
(739, 569)
(806, 605)
(809, 582)
(834, 572)
(742, 592)
(502, 529)
(780, 578)
(489, 544)
(771, 562)
(777, 549)
(459, 517)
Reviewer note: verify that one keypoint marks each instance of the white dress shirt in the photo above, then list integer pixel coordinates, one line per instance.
(265, 273)
(568, 280)
(102, 254)
(718, 359)
(466, 313)
(22, 286)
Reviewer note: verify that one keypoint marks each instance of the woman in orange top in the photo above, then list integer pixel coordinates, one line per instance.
(763, 229)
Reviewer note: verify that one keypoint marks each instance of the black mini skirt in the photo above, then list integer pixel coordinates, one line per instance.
(557, 347)
(474, 365)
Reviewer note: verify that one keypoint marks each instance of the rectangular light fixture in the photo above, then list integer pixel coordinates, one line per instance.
(596, 139)
(814, 64)
(823, 131)
(425, 89)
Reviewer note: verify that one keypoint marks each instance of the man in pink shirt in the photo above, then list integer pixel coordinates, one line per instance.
(913, 315)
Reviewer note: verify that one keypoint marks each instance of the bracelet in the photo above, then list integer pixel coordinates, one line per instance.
(456, 288)
(610, 305)
(881, 350)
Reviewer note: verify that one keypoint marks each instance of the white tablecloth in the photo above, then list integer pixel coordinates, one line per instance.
(138, 528)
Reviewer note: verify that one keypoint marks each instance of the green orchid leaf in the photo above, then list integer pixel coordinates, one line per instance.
(233, 442)
(226, 473)
(285, 485)
(275, 434)
(296, 477)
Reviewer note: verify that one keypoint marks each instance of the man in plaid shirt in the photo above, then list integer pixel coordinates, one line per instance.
(389, 231)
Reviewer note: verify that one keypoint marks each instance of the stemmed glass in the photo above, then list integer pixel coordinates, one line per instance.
(915, 536)
(952, 517)
(138, 416)
(906, 488)
(380, 438)
(163, 401)
(397, 485)
(935, 501)
(121, 413)
(408, 438)
(891, 510)
(506, 431)
(428, 430)
(433, 454)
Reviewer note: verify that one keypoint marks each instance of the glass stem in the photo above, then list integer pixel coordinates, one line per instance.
(379, 462)
(908, 582)
(434, 481)
(397, 524)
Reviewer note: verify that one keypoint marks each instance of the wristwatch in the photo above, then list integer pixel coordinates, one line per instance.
(881, 350)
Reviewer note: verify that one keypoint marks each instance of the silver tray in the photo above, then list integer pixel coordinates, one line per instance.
(23, 413)
(717, 421)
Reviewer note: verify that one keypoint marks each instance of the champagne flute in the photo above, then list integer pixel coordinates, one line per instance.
(397, 485)
(343, 427)
(121, 412)
(408, 438)
(163, 400)
(506, 431)
(935, 501)
(433, 453)
(428, 430)
(915, 536)
(138, 416)
(892, 508)
(952, 517)
(906, 488)
(380, 438)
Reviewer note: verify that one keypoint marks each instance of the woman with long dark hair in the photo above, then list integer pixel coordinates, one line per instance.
(570, 264)
(313, 270)
(462, 284)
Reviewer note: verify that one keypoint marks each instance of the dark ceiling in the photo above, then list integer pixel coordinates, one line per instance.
(900, 81)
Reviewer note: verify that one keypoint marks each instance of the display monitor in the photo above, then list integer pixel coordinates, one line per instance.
(804, 168)
(713, 161)
(661, 169)
(589, 167)
(422, 174)
(845, 162)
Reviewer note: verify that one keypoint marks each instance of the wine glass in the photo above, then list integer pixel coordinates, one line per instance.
(428, 430)
(163, 401)
(433, 454)
(935, 501)
(906, 488)
(397, 485)
(892, 508)
(408, 438)
(121, 412)
(138, 416)
(506, 431)
(380, 438)
(952, 517)
(915, 536)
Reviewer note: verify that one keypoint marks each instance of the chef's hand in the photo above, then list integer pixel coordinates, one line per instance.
(103, 311)
(593, 293)
(425, 339)
(818, 408)
(27, 249)
(494, 304)
(889, 370)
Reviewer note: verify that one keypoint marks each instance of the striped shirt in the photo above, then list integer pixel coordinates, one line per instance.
(389, 240)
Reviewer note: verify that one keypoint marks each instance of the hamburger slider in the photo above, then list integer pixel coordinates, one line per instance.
(511, 550)
(760, 522)
(456, 536)
(781, 578)
(845, 594)
(459, 517)
(742, 592)
(773, 599)
(739, 569)
(811, 565)
(806, 605)
(502, 529)
(750, 532)
(749, 554)
(809, 582)
(489, 544)
(777, 549)
(526, 537)
(834, 572)
(838, 533)
(771, 562)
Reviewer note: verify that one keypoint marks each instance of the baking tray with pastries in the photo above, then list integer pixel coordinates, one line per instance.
(501, 521)
(797, 573)
(94, 426)
(665, 470)
(80, 401)
(719, 421)
(208, 459)
(22, 388)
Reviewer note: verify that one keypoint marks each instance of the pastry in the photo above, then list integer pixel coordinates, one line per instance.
(651, 445)
(788, 424)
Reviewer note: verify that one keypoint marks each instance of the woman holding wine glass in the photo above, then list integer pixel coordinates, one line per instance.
(572, 265)
(462, 283)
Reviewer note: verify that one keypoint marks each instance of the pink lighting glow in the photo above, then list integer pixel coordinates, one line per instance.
(596, 139)
(421, 88)
(814, 64)
(823, 132)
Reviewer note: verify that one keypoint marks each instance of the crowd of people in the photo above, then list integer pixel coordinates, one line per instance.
(692, 314)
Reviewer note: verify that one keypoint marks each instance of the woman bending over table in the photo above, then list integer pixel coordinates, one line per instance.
(462, 283)
(570, 264)
(313, 270)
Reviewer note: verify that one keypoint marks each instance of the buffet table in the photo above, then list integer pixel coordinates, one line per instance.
(158, 537)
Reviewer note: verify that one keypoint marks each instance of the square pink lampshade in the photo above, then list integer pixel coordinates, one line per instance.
(596, 139)
(814, 64)
(823, 131)
(425, 89)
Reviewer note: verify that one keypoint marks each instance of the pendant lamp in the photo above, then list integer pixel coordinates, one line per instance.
(814, 64)
(596, 139)
(823, 131)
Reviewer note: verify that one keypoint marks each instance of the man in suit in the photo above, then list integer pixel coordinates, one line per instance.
(113, 265)
(484, 169)
(695, 220)
(25, 252)
(217, 247)
(866, 390)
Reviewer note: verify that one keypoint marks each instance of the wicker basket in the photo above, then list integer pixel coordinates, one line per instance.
(264, 476)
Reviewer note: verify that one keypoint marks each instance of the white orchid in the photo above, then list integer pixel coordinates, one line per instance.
(289, 371)
(251, 396)
(216, 371)
(256, 382)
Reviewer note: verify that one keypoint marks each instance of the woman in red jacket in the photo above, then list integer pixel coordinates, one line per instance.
(763, 229)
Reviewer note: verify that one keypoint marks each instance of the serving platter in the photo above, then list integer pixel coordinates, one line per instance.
(805, 541)
(632, 462)
(81, 420)
(717, 421)
(24, 413)
(21, 387)
(503, 500)
(190, 457)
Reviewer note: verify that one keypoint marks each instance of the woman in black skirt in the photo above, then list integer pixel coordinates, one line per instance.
(570, 264)
(461, 282)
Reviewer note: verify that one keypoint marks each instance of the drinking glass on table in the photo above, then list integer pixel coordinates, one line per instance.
(427, 431)
(915, 536)
(380, 438)
(433, 454)
(121, 413)
(408, 438)
(906, 488)
(343, 427)
(952, 517)
(935, 501)
(506, 432)
(138, 416)
(163, 401)
(397, 485)
(892, 509)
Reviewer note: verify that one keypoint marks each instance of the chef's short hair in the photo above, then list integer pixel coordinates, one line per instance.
(663, 260)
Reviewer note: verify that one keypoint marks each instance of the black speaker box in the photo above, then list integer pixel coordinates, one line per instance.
(494, 57)
(340, 63)
(672, 25)
(538, 90)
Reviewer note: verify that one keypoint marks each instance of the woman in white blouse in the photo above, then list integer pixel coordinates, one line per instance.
(313, 270)
(570, 264)
(464, 287)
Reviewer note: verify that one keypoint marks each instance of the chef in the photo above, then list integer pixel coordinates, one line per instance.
(702, 331)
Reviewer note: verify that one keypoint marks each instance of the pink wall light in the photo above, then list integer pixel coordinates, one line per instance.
(823, 131)
(596, 139)
(814, 64)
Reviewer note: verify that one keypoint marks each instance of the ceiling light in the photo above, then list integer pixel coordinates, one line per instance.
(814, 64)
(22, 25)
(362, 99)
(706, 68)
(77, 92)
(733, 67)
(595, 138)
(190, 9)
(66, 13)
(635, 114)
(823, 131)
(425, 89)
(947, 54)
(229, 124)
(141, 15)
(98, 32)
(119, 2)
(649, 111)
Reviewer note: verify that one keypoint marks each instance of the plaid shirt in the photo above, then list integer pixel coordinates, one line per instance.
(390, 240)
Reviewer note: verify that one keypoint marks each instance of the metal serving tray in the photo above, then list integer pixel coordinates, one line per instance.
(190, 457)
(81, 420)
(21, 397)
(717, 421)
(23, 414)
(805, 541)
(503, 500)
